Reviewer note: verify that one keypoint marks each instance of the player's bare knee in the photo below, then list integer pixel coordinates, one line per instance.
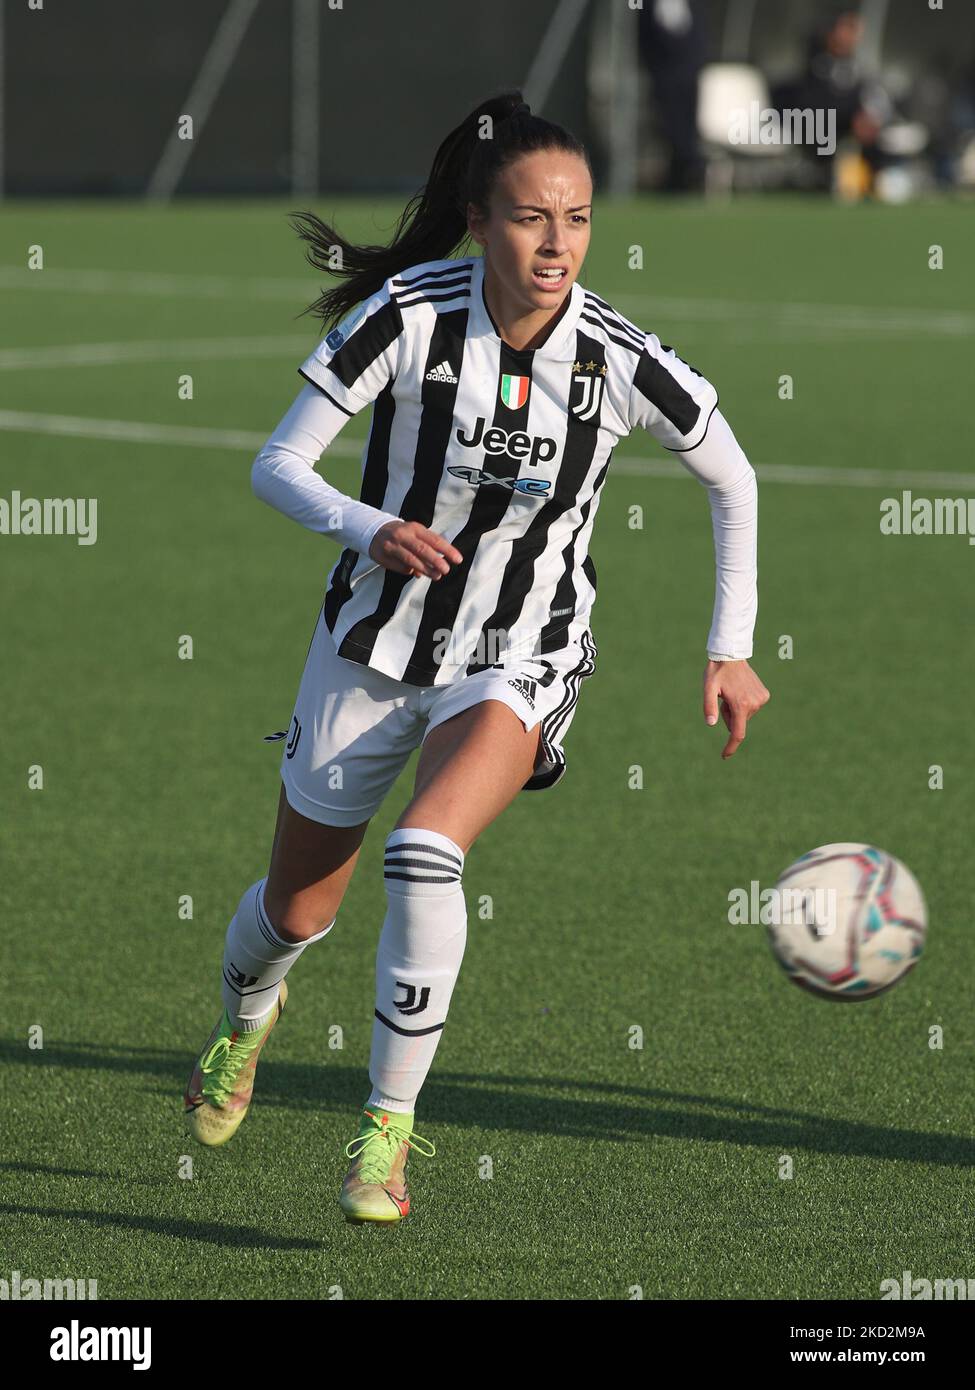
(295, 921)
(418, 817)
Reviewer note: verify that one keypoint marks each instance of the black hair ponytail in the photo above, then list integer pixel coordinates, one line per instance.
(434, 222)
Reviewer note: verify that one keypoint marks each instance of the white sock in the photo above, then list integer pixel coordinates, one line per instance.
(255, 961)
(417, 964)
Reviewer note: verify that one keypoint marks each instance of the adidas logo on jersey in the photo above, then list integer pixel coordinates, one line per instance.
(443, 371)
(527, 688)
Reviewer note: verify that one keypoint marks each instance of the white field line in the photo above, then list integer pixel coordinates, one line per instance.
(131, 431)
(150, 282)
(801, 318)
(841, 317)
(189, 349)
(249, 441)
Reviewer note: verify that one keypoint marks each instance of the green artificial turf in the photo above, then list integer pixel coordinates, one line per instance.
(612, 1166)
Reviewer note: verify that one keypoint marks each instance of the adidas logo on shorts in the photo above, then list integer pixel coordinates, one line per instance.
(527, 688)
(442, 372)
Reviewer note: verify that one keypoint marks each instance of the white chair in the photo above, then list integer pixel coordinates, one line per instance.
(727, 93)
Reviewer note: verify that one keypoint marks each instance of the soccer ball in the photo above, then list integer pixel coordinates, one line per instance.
(850, 921)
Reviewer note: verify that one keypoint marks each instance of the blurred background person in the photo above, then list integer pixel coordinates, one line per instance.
(673, 45)
(833, 78)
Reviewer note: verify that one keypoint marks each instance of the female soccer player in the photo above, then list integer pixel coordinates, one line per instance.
(457, 615)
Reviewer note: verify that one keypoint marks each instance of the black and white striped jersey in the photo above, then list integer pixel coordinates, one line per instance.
(505, 453)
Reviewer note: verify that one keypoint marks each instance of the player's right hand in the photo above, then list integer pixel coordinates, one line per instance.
(409, 547)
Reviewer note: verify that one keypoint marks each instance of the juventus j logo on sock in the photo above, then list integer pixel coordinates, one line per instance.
(408, 1004)
(239, 978)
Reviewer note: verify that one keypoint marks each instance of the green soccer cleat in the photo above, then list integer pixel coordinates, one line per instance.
(219, 1091)
(375, 1185)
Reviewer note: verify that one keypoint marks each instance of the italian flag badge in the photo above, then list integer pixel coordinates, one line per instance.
(514, 391)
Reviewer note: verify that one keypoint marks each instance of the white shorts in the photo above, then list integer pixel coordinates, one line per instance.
(354, 728)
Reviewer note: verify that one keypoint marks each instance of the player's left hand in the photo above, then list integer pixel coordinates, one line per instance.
(741, 694)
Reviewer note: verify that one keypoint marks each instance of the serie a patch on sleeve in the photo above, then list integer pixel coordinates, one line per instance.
(338, 335)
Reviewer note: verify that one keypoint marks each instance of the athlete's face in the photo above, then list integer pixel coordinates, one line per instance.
(536, 235)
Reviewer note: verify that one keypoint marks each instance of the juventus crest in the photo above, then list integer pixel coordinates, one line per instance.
(586, 395)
